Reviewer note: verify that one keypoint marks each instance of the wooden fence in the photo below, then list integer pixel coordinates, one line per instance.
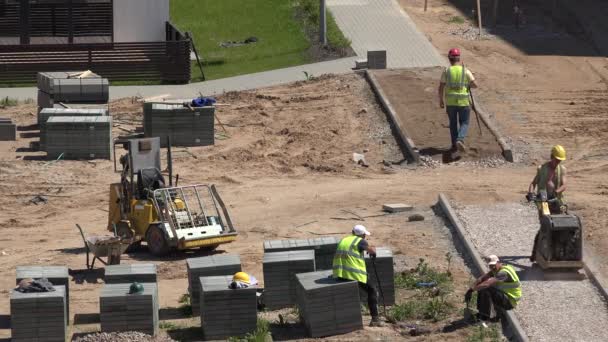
(166, 61)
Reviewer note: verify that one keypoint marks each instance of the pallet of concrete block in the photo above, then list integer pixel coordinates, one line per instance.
(185, 126)
(54, 87)
(57, 275)
(120, 310)
(226, 312)
(8, 130)
(324, 248)
(384, 268)
(129, 273)
(79, 137)
(39, 316)
(46, 113)
(280, 269)
(213, 265)
(328, 306)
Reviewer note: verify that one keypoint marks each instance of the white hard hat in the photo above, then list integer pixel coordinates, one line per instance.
(360, 230)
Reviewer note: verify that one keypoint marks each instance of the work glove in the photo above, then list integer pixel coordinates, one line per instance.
(468, 295)
(372, 255)
(530, 196)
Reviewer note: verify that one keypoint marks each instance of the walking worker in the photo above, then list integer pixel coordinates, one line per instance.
(551, 178)
(454, 86)
(349, 264)
(499, 287)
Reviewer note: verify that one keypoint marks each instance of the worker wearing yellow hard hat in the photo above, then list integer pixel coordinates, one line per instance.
(242, 280)
(550, 179)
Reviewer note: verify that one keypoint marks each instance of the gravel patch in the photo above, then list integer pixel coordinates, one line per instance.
(129, 336)
(550, 310)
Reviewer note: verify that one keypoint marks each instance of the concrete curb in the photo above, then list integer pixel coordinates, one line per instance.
(513, 330)
(506, 148)
(405, 141)
(596, 281)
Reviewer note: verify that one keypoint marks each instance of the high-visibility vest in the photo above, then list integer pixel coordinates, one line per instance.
(457, 86)
(511, 288)
(348, 261)
(543, 178)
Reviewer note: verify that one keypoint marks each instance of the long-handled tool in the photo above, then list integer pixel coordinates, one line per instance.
(472, 99)
(379, 285)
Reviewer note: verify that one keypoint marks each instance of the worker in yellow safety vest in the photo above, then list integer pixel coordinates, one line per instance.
(454, 86)
(349, 264)
(550, 178)
(499, 287)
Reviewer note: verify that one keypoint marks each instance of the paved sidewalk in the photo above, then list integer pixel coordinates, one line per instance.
(382, 24)
(243, 82)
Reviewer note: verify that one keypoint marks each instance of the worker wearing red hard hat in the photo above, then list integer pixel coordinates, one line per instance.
(454, 95)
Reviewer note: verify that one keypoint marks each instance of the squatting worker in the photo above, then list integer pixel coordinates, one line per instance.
(349, 264)
(454, 86)
(550, 178)
(499, 287)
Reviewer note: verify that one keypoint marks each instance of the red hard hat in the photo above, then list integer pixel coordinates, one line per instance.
(455, 52)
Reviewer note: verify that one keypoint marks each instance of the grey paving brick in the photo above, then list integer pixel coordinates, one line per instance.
(328, 306)
(226, 312)
(121, 311)
(213, 265)
(60, 88)
(280, 269)
(376, 59)
(8, 131)
(129, 273)
(324, 248)
(185, 126)
(39, 316)
(79, 137)
(57, 275)
(384, 266)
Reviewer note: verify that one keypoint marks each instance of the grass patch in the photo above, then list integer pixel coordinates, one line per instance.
(8, 102)
(281, 41)
(185, 305)
(260, 334)
(422, 274)
(456, 20)
(489, 334)
(310, 12)
(433, 309)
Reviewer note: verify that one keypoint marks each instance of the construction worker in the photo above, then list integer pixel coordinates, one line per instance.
(499, 287)
(349, 264)
(550, 178)
(455, 83)
(242, 280)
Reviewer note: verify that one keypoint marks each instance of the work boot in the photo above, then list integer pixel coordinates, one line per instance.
(460, 146)
(376, 322)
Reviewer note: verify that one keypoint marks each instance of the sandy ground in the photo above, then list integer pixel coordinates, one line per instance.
(413, 94)
(284, 166)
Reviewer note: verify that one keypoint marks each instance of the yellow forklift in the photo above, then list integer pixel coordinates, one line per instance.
(169, 217)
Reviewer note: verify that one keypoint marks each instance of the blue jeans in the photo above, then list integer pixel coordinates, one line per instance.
(459, 122)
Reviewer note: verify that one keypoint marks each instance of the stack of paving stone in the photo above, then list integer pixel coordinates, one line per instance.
(376, 59)
(39, 316)
(79, 137)
(185, 126)
(280, 269)
(226, 312)
(121, 311)
(46, 113)
(141, 273)
(328, 306)
(57, 275)
(386, 273)
(8, 130)
(214, 265)
(55, 87)
(324, 248)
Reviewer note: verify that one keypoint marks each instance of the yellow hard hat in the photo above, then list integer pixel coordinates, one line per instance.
(558, 152)
(241, 276)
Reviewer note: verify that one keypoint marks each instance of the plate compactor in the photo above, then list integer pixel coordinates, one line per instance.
(559, 244)
(166, 217)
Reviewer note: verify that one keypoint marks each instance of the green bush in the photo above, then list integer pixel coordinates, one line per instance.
(260, 334)
(482, 334)
(423, 273)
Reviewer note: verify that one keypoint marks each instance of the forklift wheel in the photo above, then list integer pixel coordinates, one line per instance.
(157, 242)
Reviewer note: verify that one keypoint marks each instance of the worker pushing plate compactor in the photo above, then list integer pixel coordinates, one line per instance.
(166, 217)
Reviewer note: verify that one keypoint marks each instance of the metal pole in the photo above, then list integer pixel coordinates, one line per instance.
(425, 4)
(479, 15)
(323, 23)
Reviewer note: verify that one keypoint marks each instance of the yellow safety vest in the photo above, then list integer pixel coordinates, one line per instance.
(457, 86)
(513, 288)
(348, 261)
(543, 178)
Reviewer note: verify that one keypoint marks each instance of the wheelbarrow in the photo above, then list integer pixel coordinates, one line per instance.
(110, 247)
